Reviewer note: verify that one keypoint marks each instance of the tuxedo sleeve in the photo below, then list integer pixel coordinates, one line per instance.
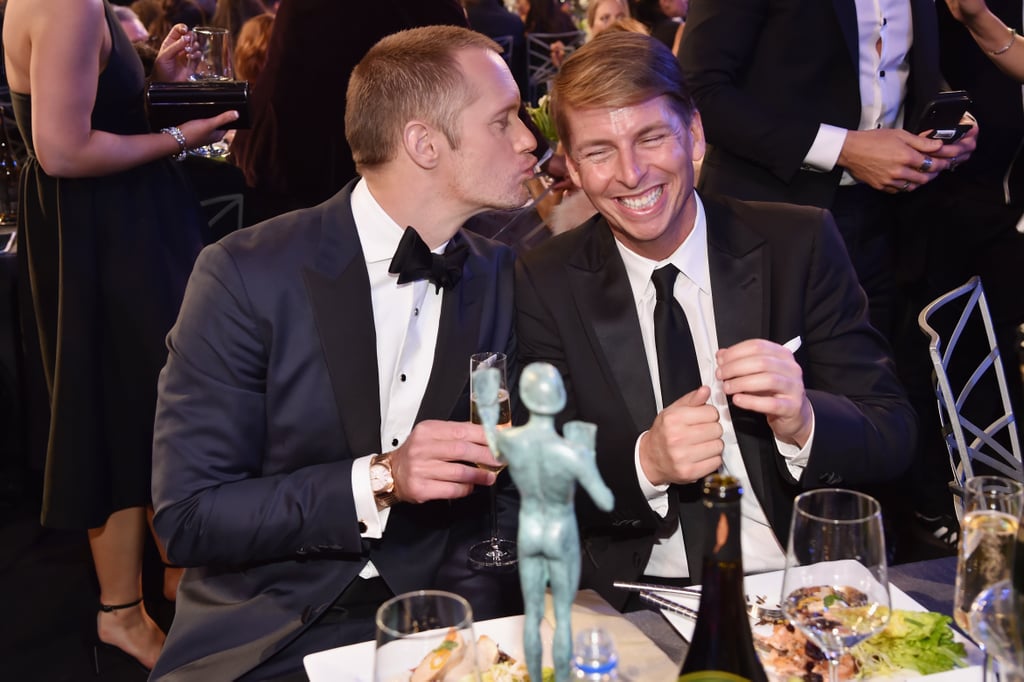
(717, 48)
(215, 503)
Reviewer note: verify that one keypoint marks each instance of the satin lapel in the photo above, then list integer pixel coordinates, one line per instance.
(339, 292)
(457, 336)
(602, 292)
(846, 15)
(739, 281)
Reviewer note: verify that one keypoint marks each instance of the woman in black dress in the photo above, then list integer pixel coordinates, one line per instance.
(111, 229)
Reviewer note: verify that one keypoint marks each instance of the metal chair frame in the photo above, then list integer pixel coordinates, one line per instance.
(540, 67)
(983, 448)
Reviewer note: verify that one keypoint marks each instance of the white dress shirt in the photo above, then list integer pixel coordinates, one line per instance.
(761, 549)
(884, 36)
(406, 319)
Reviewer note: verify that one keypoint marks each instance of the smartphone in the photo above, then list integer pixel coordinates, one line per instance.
(942, 116)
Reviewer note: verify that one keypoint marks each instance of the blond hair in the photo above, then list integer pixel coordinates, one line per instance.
(596, 4)
(409, 75)
(618, 69)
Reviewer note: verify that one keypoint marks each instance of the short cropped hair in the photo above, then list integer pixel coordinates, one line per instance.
(409, 75)
(618, 69)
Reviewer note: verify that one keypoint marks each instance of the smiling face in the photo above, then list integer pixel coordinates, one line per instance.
(635, 163)
(492, 161)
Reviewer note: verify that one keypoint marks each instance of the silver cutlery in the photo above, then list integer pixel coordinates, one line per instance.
(653, 587)
(648, 592)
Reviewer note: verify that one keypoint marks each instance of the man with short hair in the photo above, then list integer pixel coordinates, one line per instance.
(698, 333)
(312, 456)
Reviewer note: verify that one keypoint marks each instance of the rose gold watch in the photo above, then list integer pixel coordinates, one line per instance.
(382, 481)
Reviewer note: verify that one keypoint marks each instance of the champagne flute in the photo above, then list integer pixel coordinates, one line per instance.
(992, 505)
(215, 63)
(996, 621)
(428, 631)
(496, 551)
(835, 587)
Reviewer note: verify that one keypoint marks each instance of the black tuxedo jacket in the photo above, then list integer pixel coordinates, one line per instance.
(269, 392)
(766, 73)
(777, 272)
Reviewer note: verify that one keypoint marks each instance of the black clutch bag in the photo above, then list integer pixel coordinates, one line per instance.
(171, 104)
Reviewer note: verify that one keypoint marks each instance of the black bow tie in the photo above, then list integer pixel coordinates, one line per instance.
(413, 261)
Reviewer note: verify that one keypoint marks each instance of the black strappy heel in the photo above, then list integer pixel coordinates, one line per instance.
(117, 651)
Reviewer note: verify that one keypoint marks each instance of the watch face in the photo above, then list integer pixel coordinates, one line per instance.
(380, 479)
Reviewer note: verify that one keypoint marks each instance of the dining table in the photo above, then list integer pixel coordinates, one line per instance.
(930, 583)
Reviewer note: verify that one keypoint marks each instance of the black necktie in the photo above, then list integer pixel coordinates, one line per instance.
(677, 360)
(413, 261)
(677, 365)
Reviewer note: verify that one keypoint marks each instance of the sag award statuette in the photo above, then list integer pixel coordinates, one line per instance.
(545, 468)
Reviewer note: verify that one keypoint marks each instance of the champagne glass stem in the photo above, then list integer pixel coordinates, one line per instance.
(833, 667)
(495, 536)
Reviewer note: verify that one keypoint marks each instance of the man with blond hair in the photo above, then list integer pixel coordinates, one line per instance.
(697, 332)
(312, 454)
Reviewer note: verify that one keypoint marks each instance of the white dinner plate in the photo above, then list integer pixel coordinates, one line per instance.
(769, 586)
(354, 663)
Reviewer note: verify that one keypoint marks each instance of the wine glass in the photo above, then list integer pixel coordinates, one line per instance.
(992, 505)
(215, 62)
(428, 631)
(496, 551)
(996, 620)
(836, 587)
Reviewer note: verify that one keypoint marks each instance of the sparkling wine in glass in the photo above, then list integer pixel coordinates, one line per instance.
(496, 551)
(992, 507)
(428, 632)
(215, 62)
(835, 588)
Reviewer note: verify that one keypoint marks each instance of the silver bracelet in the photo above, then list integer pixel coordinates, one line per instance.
(179, 137)
(1013, 37)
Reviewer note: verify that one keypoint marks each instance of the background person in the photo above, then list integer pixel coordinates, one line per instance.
(110, 230)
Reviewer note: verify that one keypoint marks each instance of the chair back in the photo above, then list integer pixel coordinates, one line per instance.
(507, 43)
(224, 214)
(540, 65)
(978, 423)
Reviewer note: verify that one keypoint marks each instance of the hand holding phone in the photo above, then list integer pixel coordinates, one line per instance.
(942, 116)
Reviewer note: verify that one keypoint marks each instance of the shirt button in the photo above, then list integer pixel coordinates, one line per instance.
(394, 442)
(362, 527)
(884, 21)
(402, 377)
(881, 74)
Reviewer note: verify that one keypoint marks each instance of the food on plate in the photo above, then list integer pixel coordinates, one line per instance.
(442, 660)
(448, 662)
(913, 640)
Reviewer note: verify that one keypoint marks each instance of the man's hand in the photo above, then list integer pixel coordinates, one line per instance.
(955, 153)
(891, 160)
(685, 442)
(763, 377)
(437, 462)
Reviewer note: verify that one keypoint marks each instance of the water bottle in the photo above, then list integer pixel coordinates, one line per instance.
(594, 657)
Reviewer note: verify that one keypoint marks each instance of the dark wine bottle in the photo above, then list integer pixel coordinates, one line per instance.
(722, 646)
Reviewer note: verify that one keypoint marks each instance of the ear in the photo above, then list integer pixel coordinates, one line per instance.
(697, 138)
(420, 143)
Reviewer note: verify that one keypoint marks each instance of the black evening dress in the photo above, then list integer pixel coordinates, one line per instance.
(108, 258)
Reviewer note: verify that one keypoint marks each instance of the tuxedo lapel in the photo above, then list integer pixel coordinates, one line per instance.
(339, 292)
(740, 275)
(457, 336)
(846, 15)
(601, 289)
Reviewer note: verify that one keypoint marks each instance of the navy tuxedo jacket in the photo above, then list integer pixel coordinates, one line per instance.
(777, 272)
(766, 73)
(269, 392)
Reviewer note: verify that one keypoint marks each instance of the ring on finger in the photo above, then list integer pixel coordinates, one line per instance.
(954, 162)
(906, 186)
(926, 165)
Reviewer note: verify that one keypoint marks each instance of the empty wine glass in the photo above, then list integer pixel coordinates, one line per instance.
(996, 620)
(429, 632)
(214, 53)
(835, 587)
(496, 551)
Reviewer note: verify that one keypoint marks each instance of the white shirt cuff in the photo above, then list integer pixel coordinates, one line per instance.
(657, 495)
(796, 458)
(824, 151)
(367, 513)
